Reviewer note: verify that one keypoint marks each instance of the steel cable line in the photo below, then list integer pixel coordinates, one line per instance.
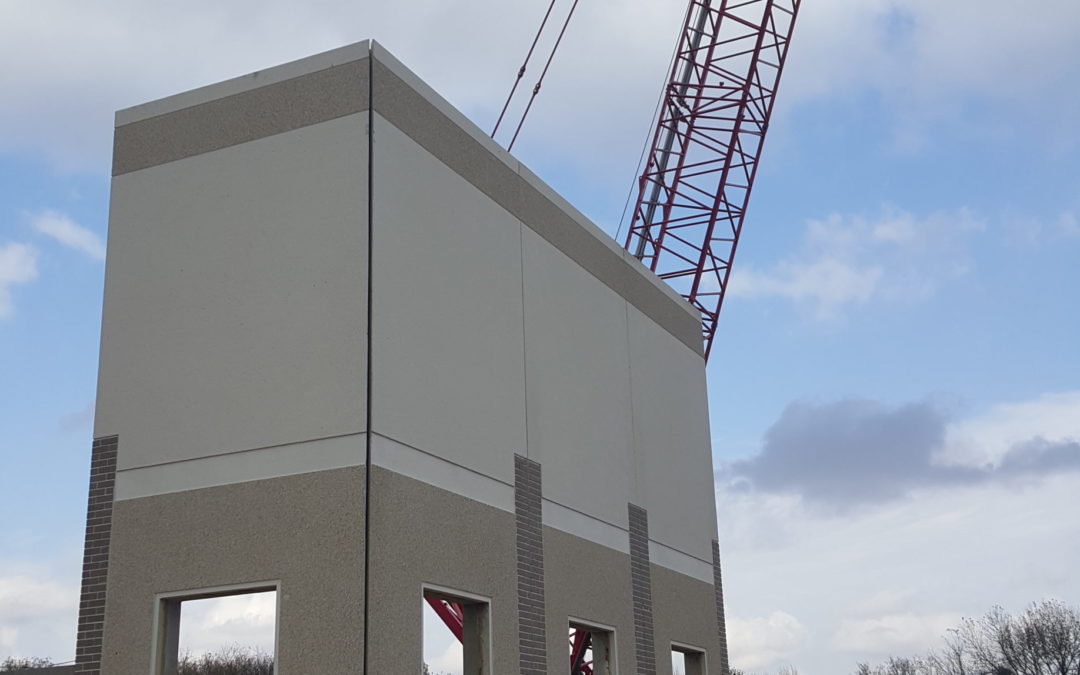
(521, 71)
(536, 89)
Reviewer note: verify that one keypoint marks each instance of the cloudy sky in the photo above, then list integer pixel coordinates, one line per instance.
(895, 390)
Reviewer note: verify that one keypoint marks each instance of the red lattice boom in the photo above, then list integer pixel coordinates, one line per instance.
(693, 193)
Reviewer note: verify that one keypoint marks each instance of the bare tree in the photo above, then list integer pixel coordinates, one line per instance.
(11, 664)
(1044, 640)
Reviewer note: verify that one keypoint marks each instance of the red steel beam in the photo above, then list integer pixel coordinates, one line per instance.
(450, 613)
(580, 641)
(693, 193)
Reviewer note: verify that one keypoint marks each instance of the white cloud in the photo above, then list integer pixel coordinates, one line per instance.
(122, 52)
(933, 62)
(986, 438)
(843, 261)
(941, 554)
(891, 577)
(907, 633)
(18, 265)
(827, 285)
(442, 651)
(246, 621)
(924, 57)
(69, 233)
(1034, 232)
(762, 641)
(37, 617)
(449, 662)
(1068, 224)
(882, 602)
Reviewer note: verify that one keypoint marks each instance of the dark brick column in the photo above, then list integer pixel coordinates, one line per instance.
(721, 623)
(641, 587)
(96, 556)
(532, 614)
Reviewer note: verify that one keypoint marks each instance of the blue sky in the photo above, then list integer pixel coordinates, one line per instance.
(903, 308)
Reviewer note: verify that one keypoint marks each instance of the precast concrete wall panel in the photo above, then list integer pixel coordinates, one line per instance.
(577, 381)
(235, 311)
(447, 344)
(671, 440)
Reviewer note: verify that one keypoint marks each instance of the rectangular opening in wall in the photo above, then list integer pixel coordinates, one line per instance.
(591, 649)
(456, 636)
(218, 631)
(687, 660)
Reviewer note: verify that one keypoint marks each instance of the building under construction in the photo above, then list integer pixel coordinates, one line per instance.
(355, 353)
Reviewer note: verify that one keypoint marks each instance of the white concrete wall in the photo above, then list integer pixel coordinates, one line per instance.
(578, 378)
(672, 452)
(235, 298)
(447, 372)
(488, 340)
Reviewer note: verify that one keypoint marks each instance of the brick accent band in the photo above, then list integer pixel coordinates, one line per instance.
(532, 614)
(721, 623)
(641, 587)
(96, 556)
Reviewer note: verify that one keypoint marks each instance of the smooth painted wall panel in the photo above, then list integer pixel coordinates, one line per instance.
(448, 373)
(235, 299)
(671, 439)
(578, 384)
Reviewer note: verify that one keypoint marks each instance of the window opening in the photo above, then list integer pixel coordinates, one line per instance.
(591, 649)
(687, 660)
(217, 631)
(456, 636)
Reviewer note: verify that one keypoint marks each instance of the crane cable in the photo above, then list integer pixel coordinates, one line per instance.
(521, 71)
(540, 81)
(536, 89)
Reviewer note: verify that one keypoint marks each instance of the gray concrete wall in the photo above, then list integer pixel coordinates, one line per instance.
(424, 535)
(684, 612)
(596, 592)
(304, 533)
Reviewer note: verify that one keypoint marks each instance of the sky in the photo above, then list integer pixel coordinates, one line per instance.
(894, 389)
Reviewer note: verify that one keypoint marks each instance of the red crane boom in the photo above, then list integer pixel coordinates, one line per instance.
(693, 193)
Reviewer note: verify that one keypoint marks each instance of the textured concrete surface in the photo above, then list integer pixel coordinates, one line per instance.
(349, 53)
(235, 312)
(424, 535)
(304, 531)
(684, 611)
(597, 592)
(247, 116)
